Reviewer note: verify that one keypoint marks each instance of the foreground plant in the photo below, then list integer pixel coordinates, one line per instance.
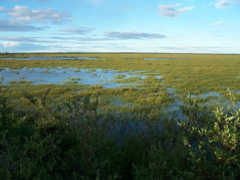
(213, 139)
(71, 140)
(204, 146)
(62, 143)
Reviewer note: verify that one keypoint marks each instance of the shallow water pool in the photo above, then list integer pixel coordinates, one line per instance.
(102, 77)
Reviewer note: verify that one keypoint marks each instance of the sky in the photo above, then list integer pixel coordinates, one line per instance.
(159, 26)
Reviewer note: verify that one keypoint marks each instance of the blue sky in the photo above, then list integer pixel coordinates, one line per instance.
(176, 26)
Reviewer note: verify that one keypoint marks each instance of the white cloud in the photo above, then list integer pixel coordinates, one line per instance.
(22, 14)
(219, 23)
(77, 30)
(7, 26)
(132, 35)
(18, 39)
(223, 4)
(2, 9)
(10, 44)
(170, 11)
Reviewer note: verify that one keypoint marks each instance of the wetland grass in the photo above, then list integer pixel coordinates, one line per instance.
(197, 73)
(81, 131)
(120, 76)
(74, 79)
(51, 126)
(70, 82)
(95, 75)
(91, 70)
(20, 81)
(130, 80)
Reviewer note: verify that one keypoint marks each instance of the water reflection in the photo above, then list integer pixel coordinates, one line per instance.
(102, 77)
(204, 96)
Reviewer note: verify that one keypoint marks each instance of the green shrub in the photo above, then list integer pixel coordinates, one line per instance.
(70, 140)
(51, 144)
(212, 139)
(205, 146)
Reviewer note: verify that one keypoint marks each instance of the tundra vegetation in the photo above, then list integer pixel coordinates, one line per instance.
(176, 117)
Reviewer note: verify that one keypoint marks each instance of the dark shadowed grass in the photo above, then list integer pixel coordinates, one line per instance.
(50, 132)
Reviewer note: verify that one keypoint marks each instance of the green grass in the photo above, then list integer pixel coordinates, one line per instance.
(70, 82)
(74, 131)
(127, 80)
(119, 76)
(198, 73)
(91, 70)
(21, 81)
(95, 75)
(91, 132)
(195, 73)
(75, 79)
(54, 132)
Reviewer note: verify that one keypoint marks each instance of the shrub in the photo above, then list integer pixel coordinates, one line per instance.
(212, 139)
(60, 143)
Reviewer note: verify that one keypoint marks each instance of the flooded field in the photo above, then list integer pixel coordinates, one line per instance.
(150, 80)
(49, 58)
(102, 77)
(154, 107)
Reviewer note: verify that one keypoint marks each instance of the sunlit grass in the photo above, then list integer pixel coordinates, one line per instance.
(120, 76)
(139, 116)
(22, 80)
(74, 79)
(197, 73)
(70, 82)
